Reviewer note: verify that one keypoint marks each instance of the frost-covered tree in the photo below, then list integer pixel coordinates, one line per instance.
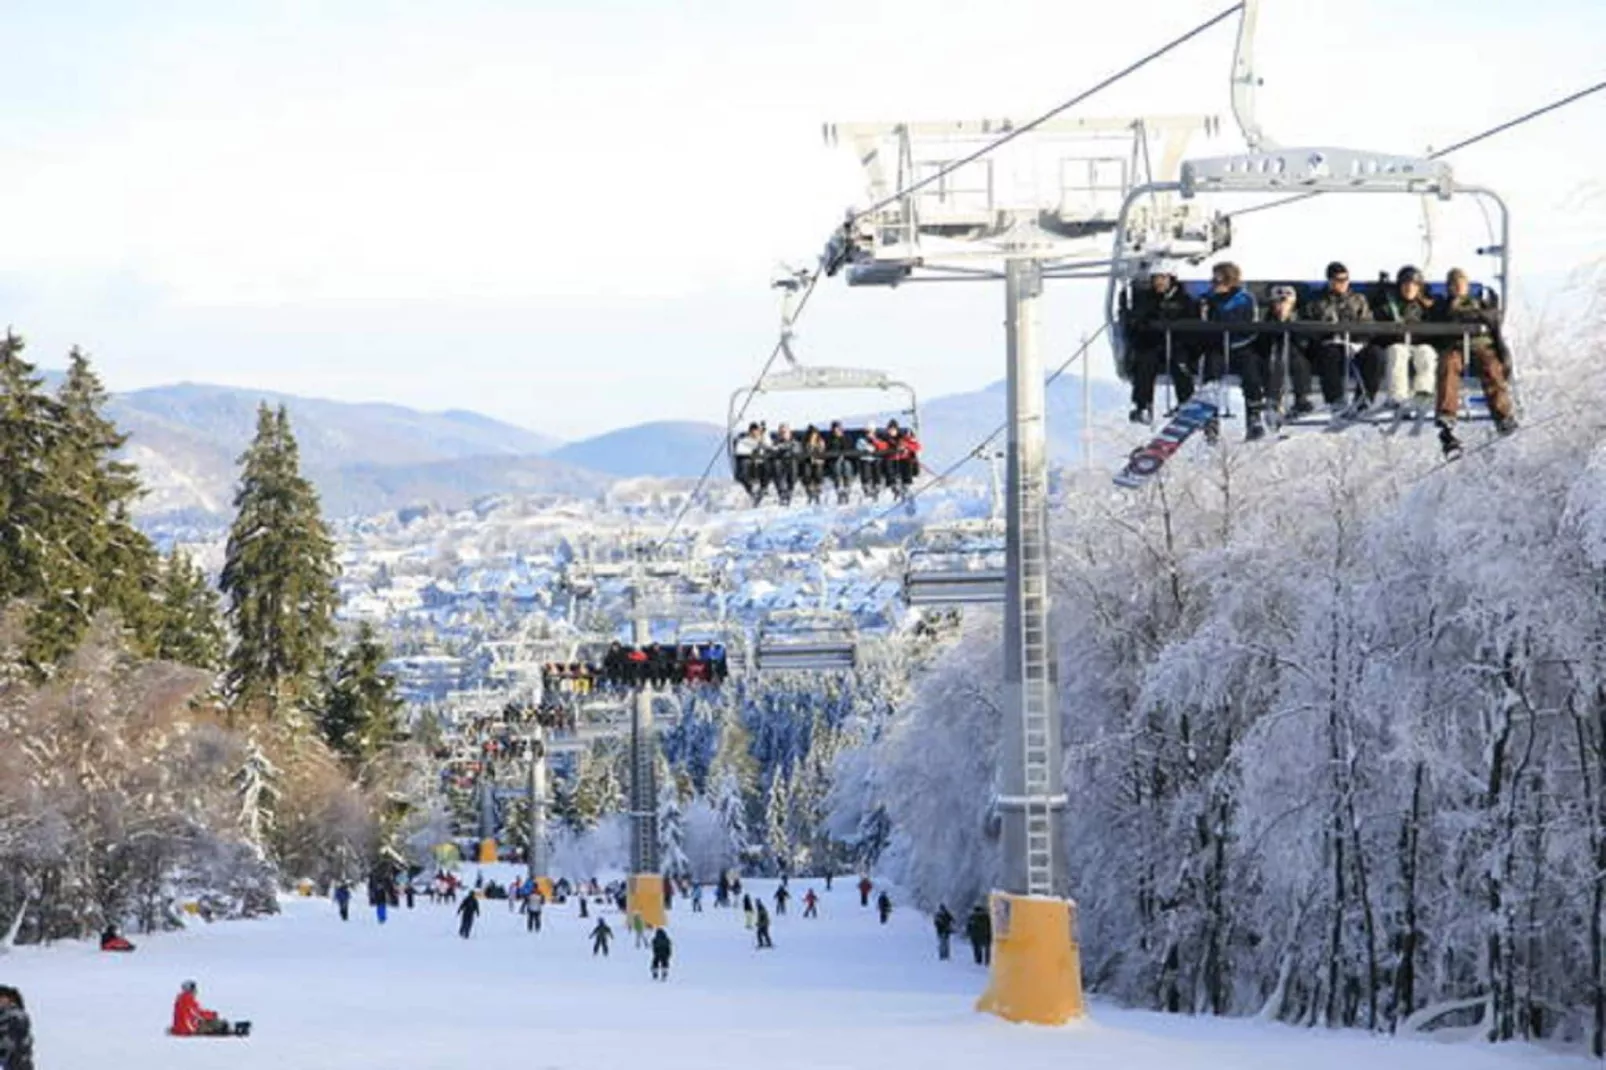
(672, 860)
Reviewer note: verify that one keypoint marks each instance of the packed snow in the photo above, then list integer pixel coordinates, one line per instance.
(840, 991)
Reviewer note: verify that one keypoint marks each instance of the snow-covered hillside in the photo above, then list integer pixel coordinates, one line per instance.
(838, 992)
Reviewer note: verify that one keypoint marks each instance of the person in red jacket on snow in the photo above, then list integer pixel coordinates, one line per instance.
(190, 1019)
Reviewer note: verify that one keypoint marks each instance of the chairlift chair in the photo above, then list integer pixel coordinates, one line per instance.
(956, 564)
(806, 641)
(1138, 250)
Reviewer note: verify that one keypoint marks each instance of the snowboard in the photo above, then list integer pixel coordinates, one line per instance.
(1147, 460)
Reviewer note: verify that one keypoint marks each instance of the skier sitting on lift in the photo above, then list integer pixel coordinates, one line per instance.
(1286, 356)
(1160, 302)
(868, 454)
(839, 460)
(1409, 367)
(1229, 302)
(812, 463)
(1487, 349)
(903, 461)
(1338, 304)
(751, 451)
(784, 455)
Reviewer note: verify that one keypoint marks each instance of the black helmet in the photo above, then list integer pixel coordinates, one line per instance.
(1406, 274)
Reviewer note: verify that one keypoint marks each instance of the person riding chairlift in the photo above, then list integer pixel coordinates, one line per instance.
(1410, 368)
(1338, 304)
(784, 455)
(1285, 356)
(839, 460)
(869, 454)
(812, 463)
(751, 451)
(1488, 350)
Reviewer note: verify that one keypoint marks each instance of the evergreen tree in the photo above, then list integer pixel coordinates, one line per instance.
(360, 715)
(99, 493)
(190, 629)
(30, 428)
(278, 575)
(68, 545)
(258, 783)
(778, 819)
(731, 807)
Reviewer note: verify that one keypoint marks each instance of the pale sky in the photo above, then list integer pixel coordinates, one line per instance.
(566, 214)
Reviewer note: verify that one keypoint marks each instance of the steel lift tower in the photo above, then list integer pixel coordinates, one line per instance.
(1043, 205)
(643, 575)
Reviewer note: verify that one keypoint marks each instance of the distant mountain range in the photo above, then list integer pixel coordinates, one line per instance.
(368, 458)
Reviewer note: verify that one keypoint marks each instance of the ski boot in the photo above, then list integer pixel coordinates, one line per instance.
(1140, 416)
(242, 1029)
(1506, 425)
(1254, 428)
(1447, 440)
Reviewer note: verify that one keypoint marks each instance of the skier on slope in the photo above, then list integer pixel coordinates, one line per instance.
(600, 935)
(638, 926)
(810, 904)
(883, 905)
(16, 1032)
(697, 897)
(864, 890)
(343, 901)
(943, 921)
(781, 896)
(763, 925)
(532, 912)
(979, 928)
(468, 912)
(190, 1019)
(660, 955)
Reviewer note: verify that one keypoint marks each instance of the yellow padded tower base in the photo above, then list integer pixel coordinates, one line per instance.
(1037, 963)
(645, 896)
(487, 851)
(544, 886)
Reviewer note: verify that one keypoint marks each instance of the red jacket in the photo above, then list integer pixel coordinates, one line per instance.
(188, 1014)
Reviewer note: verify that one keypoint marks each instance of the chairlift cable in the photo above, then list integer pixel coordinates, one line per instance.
(1457, 147)
(1052, 113)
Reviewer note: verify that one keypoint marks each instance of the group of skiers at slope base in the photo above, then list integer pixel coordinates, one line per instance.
(874, 457)
(1355, 373)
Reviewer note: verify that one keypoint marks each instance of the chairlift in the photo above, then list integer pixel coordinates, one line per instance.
(806, 641)
(1139, 251)
(956, 564)
(796, 378)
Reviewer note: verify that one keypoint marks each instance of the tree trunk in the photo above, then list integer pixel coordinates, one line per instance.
(1410, 936)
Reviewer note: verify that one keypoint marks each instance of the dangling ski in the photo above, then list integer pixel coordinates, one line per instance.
(1147, 460)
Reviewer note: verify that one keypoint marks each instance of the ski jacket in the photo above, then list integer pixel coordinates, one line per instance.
(1149, 309)
(601, 931)
(470, 907)
(944, 923)
(1235, 306)
(1332, 307)
(979, 927)
(838, 445)
(1469, 309)
(16, 1038)
(1391, 307)
(188, 1014)
(660, 943)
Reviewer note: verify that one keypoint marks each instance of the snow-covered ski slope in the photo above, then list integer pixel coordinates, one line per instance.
(835, 993)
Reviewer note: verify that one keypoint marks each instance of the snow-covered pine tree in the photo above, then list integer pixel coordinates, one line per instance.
(257, 782)
(778, 821)
(672, 861)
